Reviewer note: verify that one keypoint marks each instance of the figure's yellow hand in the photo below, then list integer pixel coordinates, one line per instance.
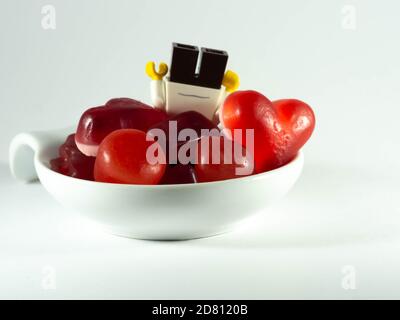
(152, 72)
(230, 81)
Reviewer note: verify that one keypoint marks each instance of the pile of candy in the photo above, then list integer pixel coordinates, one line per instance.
(111, 142)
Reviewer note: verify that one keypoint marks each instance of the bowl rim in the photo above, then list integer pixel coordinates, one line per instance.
(298, 158)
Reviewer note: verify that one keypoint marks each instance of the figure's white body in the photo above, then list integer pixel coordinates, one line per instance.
(174, 97)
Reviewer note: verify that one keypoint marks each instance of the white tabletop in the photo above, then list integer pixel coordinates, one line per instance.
(334, 236)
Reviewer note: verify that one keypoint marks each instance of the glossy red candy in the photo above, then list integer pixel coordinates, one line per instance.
(72, 162)
(59, 165)
(281, 127)
(186, 120)
(123, 102)
(122, 158)
(219, 158)
(122, 113)
(179, 174)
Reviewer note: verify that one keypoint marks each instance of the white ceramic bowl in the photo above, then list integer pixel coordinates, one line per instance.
(161, 212)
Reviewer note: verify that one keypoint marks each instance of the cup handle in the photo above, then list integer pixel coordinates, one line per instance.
(23, 149)
(25, 146)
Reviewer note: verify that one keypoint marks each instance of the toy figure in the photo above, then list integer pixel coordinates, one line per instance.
(188, 89)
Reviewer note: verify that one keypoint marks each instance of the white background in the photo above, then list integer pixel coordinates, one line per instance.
(344, 210)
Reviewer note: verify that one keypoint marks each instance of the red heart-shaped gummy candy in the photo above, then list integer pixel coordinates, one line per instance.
(281, 127)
